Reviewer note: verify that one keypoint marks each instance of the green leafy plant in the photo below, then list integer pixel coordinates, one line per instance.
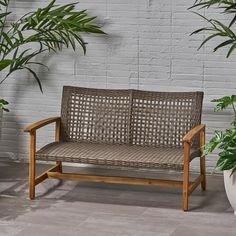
(3, 105)
(216, 28)
(50, 28)
(224, 141)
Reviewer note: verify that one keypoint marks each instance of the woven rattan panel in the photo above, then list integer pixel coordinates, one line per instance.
(96, 115)
(163, 118)
(114, 155)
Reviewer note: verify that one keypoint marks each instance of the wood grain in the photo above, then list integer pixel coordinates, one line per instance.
(32, 165)
(186, 176)
(41, 123)
(193, 132)
(117, 179)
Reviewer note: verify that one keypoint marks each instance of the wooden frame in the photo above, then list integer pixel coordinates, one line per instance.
(33, 180)
(56, 171)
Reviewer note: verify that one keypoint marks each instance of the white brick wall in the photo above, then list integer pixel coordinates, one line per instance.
(148, 47)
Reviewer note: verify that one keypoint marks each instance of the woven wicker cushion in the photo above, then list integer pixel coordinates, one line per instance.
(163, 118)
(114, 155)
(95, 115)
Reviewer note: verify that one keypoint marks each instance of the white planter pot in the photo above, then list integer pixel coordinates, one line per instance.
(230, 188)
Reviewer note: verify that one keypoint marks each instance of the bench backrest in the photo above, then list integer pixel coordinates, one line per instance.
(129, 116)
(163, 118)
(95, 115)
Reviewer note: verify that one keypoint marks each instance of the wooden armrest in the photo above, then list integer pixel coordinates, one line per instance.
(190, 135)
(41, 123)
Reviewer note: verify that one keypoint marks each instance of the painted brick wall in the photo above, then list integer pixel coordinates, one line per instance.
(148, 47)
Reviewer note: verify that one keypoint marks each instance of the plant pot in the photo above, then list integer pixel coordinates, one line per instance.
(230, 188)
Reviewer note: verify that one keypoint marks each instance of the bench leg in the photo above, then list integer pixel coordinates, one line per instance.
(185, 190)
(203, 173)
(57, 137)
(186, 177)
(32, 166)
(202, 161)
(59, 163)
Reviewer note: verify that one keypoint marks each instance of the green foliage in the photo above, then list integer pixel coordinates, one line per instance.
(217, 28)
(225, 102)
(3, 105)
(52, 28)
(224, 141)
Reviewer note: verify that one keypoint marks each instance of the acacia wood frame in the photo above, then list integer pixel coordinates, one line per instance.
(56, 171)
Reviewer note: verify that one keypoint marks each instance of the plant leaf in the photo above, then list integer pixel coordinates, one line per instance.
(2, 15)
(227, 42)
(35, 76)
(5, 63)
(209, 38)
(224, 102)
(231, 50)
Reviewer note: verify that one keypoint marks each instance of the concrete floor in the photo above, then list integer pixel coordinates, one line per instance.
(89, 209)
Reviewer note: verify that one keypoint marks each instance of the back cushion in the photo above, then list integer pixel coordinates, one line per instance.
(163, 118)
(96, 115)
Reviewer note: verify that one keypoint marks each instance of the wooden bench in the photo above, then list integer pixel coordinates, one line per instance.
(126, 128)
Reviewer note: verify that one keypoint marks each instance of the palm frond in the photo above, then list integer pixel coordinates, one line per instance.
(217, 28)
(52, 28)
(4, 3)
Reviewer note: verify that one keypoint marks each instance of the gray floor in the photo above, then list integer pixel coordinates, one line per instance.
(88, 209)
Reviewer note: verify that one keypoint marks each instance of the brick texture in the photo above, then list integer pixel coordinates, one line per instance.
(148, 47)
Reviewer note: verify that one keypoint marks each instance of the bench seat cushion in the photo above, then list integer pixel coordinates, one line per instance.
(115, 155)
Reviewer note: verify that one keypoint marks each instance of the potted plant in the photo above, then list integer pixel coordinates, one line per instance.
(46, 29)
(225, 141)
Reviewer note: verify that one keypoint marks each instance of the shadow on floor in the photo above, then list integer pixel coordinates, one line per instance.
(14, 192)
